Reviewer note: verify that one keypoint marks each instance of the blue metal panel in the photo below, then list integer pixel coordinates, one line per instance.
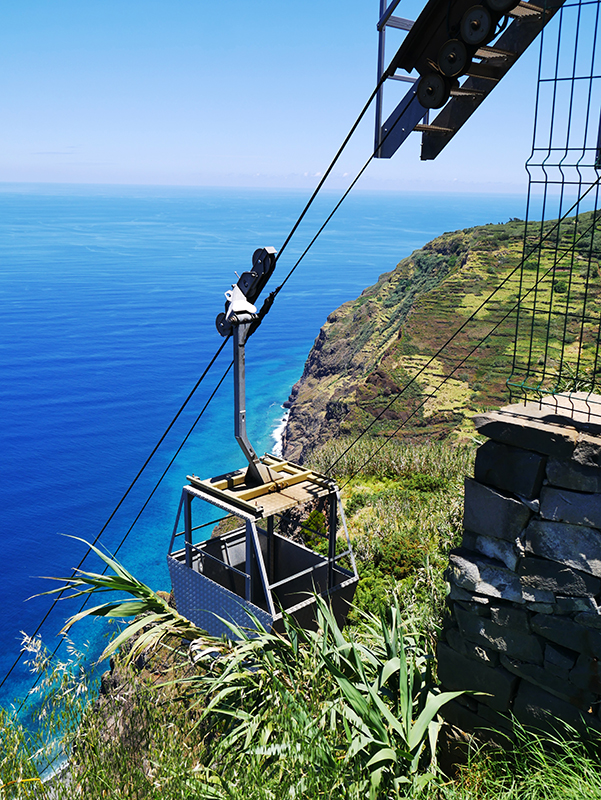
(201, 600)
(400, 123)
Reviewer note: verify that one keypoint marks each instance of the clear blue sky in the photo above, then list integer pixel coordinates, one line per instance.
(242, 93)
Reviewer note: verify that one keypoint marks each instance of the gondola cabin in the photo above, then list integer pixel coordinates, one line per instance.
(268, 554)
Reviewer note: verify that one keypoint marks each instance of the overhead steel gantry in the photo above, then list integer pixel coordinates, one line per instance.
(449, 41)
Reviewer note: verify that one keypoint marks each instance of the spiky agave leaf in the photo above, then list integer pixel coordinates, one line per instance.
(386, 701)
(157, 619)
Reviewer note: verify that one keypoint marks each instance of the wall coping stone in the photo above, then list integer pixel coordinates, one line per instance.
(579, 410)
(520, 430)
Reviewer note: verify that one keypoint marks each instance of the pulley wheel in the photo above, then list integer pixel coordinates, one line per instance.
(222, 325)
(453, 58)
(433, 90)
(476, 25)
(501, 6)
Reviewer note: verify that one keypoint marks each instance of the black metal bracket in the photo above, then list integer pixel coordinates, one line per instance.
(240, 319)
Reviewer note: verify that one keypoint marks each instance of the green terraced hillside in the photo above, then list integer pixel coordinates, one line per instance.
(462, 286)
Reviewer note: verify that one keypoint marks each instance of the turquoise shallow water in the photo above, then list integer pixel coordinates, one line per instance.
(108, 297)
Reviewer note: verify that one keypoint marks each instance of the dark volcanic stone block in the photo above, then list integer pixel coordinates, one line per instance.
(571, 605)
(561, 631)
(564, 505)
(541, 608)
(475, 608)
(522, 431)
(498, 720)
(508, 617)
(590, 620)
(593, 641)
(573, 545)
(539, 573)
(491, 513)
(588, 450)
(559, 687)
(499, 549)
(466, 720)
(538, 596)
(559, 658)
(571, 475)
(587, 674)
(470, 649)
(516, 643)
(536, 708)
(510, 468)
(458, 672)
(483, 575)
(457, 593)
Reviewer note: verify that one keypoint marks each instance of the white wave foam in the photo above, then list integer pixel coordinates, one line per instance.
(278, 434)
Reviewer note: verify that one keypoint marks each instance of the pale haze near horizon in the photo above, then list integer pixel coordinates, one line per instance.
(256, 94)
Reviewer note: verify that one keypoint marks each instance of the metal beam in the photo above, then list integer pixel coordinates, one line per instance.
(385, 13)
(400, 23)
(484, 77)
(400, 124)
(257, 473)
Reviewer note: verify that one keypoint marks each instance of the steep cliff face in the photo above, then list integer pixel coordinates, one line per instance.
(375, 348)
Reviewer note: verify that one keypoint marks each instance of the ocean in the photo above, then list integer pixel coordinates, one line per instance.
(108, 298)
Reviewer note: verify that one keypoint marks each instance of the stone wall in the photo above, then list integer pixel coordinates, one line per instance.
(524, 616)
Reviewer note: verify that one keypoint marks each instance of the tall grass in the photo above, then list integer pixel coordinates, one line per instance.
(304, 715)
(537, 768)
(404, 512)
(376, 457)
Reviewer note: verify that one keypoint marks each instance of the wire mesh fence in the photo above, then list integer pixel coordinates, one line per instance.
(558, 314)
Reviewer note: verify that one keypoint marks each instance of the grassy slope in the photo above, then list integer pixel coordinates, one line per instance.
(370, 348)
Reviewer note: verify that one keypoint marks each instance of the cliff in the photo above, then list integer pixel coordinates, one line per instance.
(370, 348)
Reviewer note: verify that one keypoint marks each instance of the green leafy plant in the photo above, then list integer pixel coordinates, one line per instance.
(156, 619)
(388, 705)
(277, 699)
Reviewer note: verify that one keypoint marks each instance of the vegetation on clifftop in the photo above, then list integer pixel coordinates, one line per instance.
(381, 346)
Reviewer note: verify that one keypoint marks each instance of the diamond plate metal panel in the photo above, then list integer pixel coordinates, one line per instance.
(199, 599)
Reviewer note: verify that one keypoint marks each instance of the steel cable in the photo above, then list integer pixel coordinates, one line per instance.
(120, 503)
(266, 307)
(139, 514)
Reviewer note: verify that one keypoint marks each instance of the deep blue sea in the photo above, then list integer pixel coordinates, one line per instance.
(108, 297)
